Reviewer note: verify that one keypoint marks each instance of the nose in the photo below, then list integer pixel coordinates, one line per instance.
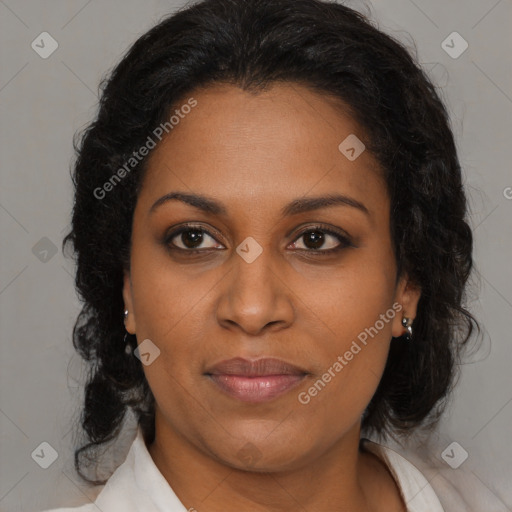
(255, 297)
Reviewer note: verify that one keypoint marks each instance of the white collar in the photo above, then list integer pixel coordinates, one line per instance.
(137, 484)
(417, 493)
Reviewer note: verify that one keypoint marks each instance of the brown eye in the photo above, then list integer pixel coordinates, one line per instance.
(191, 239)
(321, 241)
(313, 239)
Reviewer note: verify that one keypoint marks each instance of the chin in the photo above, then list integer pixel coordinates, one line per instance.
(260, 452)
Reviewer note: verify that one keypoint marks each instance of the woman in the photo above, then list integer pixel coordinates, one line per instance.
(272, 249)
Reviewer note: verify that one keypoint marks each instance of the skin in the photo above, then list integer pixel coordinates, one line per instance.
(255, 154)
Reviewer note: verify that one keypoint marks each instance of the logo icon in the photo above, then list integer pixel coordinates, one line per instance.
(454, 455)
(249, 454)
(44, 45)
(147, 352)
(351, 147)
(44, 250)
(249, 249)
(454, 45)
(44, 455)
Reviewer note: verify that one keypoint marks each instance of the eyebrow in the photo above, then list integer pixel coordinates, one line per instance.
(305, 204)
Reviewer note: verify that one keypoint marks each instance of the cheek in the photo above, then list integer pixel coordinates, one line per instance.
(164, 293)
(354, 313)
(352, 297)
(173, 308)
(170, 311)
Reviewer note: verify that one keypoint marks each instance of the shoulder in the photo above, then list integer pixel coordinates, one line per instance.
(121, 489)
(416, 491)
(454, 489)
(136, 485)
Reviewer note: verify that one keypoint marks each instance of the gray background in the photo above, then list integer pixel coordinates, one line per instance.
(44, 101)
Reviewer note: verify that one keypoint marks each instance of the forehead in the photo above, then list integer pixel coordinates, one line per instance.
(272, 146)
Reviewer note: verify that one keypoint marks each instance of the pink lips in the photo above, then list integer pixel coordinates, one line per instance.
(255, 381)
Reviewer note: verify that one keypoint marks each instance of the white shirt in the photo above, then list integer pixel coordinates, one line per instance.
(138, 486)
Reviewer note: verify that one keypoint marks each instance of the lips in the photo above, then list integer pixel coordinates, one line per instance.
(255, 381)
(258, 368)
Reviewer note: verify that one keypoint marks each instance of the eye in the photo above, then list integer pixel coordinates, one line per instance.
(191, 239)
(315, 239)
(318, 239)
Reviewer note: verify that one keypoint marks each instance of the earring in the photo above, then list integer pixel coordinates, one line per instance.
(125, 313)
(407, 323)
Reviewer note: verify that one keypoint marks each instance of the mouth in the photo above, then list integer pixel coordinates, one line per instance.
(255, 381)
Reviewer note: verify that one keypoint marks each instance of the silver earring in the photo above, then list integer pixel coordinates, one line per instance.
(407, 323)
(128, 348)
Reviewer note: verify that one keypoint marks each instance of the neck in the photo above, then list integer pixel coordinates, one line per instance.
(339, 479)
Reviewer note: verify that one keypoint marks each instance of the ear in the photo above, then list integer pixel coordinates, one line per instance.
(407, 295)
(129, 321)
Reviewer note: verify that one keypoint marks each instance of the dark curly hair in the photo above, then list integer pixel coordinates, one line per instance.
(252, 44)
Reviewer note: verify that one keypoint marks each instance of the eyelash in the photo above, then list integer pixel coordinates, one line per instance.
(342, 238)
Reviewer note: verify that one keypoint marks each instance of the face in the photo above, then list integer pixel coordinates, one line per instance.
(261, 269)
